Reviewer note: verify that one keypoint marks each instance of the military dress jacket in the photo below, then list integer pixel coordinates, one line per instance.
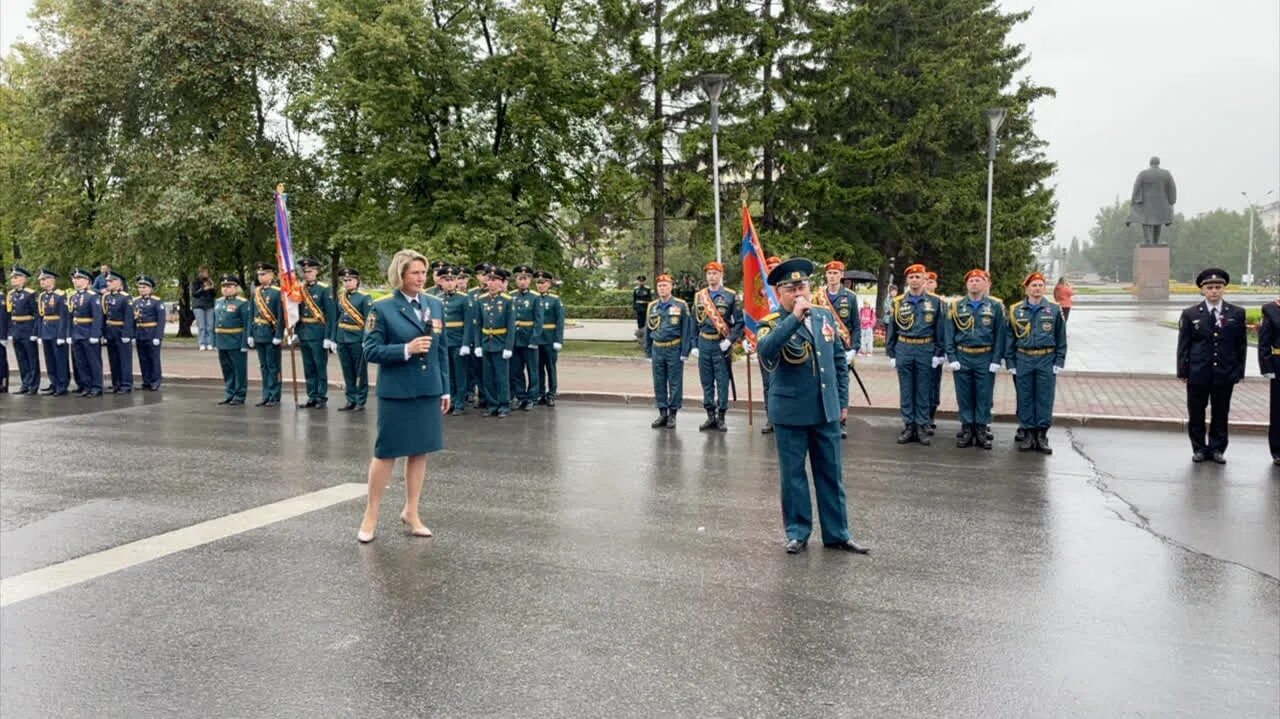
(845, 307)
(268, 314)
(24, 312)
(1035, 330)
(148, 319)
(231, 322)
(668, 324)
(317, 314)
(552, 318)
(497, 323)
(117, 313)
(393, 323)
(975, 330)
(86, 315)
(460, 325)
(916, 322)
(55, 318)
(1211, 352)
(807, 385)
(528, 313)
(1269, 338)
(353, 312)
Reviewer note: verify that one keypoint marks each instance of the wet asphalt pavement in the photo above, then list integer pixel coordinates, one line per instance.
(586, 565)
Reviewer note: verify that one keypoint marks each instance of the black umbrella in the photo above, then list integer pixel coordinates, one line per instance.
(860, 276)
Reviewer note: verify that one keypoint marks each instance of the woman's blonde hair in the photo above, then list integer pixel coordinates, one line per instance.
(400, 264)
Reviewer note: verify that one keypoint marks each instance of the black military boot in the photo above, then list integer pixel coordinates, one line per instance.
(661, 421)
(710, 423)
(966, 437)
(768, 427)
(1028, 441)
(671, 418)
(924, 435)
(720, 425)
(983, 440)
(908, 434)
(1042, 441)
(1020, 435)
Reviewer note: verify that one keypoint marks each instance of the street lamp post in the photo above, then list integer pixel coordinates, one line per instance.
(1253, 211)
(995, 116)
(713, 85)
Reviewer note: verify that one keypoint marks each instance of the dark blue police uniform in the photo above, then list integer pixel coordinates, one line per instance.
(1213, 347)
(1268, 363)
(148, 334)
(24, 312)
(86, 337)
(117, 309)
(54, 329)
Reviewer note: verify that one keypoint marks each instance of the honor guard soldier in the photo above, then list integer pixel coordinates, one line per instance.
(148, 331)
(552, 310)
(935, 399)
(267, 332)
(353, 308)
(1268, 363)
(54, 329)
(843, 303)
(117, 309)
(497, 340)
(641, 296)
(914, 345)
(317, 322)
(4, 345)
(86, 333)
(718, 317)
(475, 363)
(24, 310)
(974, 335)
(668, 338)
(1035, 353)
(810, 395)
(524, 363)
(1213, 348)
(459, 330)
(232, 321)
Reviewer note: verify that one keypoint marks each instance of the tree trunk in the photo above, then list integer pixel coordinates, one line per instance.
(185, 315)
(659, 132)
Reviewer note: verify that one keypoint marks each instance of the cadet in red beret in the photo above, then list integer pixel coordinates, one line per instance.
(913, 343)
(1035, 354)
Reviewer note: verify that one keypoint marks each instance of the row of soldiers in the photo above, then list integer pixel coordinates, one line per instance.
(503, 345)
(71, 328)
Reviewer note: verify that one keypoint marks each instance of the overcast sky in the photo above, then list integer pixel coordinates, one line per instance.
(1196, 82)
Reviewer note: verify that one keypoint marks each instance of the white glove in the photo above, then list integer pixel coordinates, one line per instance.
(955, 366)
(244, 349)
(1013, 371)
(893, 363)
(748, 347)
(557, 346)
(683, 359)
(506, 354)
(694, 353)
(33, 339)
(4, 341)
(479, 351)
(993, 367)
(61, 342)
(155, 343)
(275, 340)
(330, 345)
(725, 345)
(849, 355)
(1270, 375)
(293, 340)
(125, 340)
(648, 358)
(464, 351)
(250, 340)
(937, 362)
(1056, 369)
(94, 340)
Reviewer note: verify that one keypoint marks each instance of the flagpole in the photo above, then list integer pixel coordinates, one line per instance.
(751, 412)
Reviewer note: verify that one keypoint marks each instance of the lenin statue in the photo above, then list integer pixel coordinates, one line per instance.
(1153, 196)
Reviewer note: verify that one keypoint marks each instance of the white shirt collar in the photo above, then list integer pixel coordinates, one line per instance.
(407, 298)
(1211, 307)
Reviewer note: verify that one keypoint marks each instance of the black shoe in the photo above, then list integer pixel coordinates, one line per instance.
(262, 403)
(491, 413)
(503, 414)
(925, 437)
(1028, 441)
(907, 435)
(671, 418)
(60, 393)
(95, 393)
(795, 546)
(542, 402)
(983, 440)
(720, 425)
(226, 401)
(47, 390)
(1199, 456)
(82, 393)
(271, 403)
(525, 406)
(930, 429)
(710, 423)
(236, 402)
(113, 390)
(1042, 441)
(1020, 435)
(966, 438)
(347, 407)
(321, 404)
(661, 421)
(21, 391)
(360, 408)
(551, 401)
(768, 428)
(128, 390)
(307, 405)
(455, 412)
(848, 545)
(1218, 458)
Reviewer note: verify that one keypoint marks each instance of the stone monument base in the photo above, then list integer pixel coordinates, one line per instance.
(1151, 273)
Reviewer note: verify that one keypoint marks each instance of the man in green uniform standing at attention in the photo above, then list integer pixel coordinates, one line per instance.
(974, 335)
(641, 295)
(914, 345)
(524, 365)
(1035, 354)
(317, 322)
(552, 337)
(668, 339)
(497, 340)
(459, 325)
(267, 310)
(353, 308)
(232, 320)
(475, 363)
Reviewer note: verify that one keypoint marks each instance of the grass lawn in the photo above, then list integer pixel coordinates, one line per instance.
(602, 348)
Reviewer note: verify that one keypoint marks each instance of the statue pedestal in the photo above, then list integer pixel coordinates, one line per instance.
(1151, 272)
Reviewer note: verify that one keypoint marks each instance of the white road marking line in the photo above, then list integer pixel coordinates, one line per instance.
(82, 569)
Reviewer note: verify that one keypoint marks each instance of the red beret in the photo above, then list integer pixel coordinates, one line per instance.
(1032, 278)
(713, 265)
(664, 277)
(931, 276)
(976, 273)
(914, 269)
(835, 265)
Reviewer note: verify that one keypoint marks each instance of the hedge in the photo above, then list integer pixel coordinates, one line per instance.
(596, 312)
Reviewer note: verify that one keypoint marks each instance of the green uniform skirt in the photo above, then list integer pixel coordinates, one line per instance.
(407, 427)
